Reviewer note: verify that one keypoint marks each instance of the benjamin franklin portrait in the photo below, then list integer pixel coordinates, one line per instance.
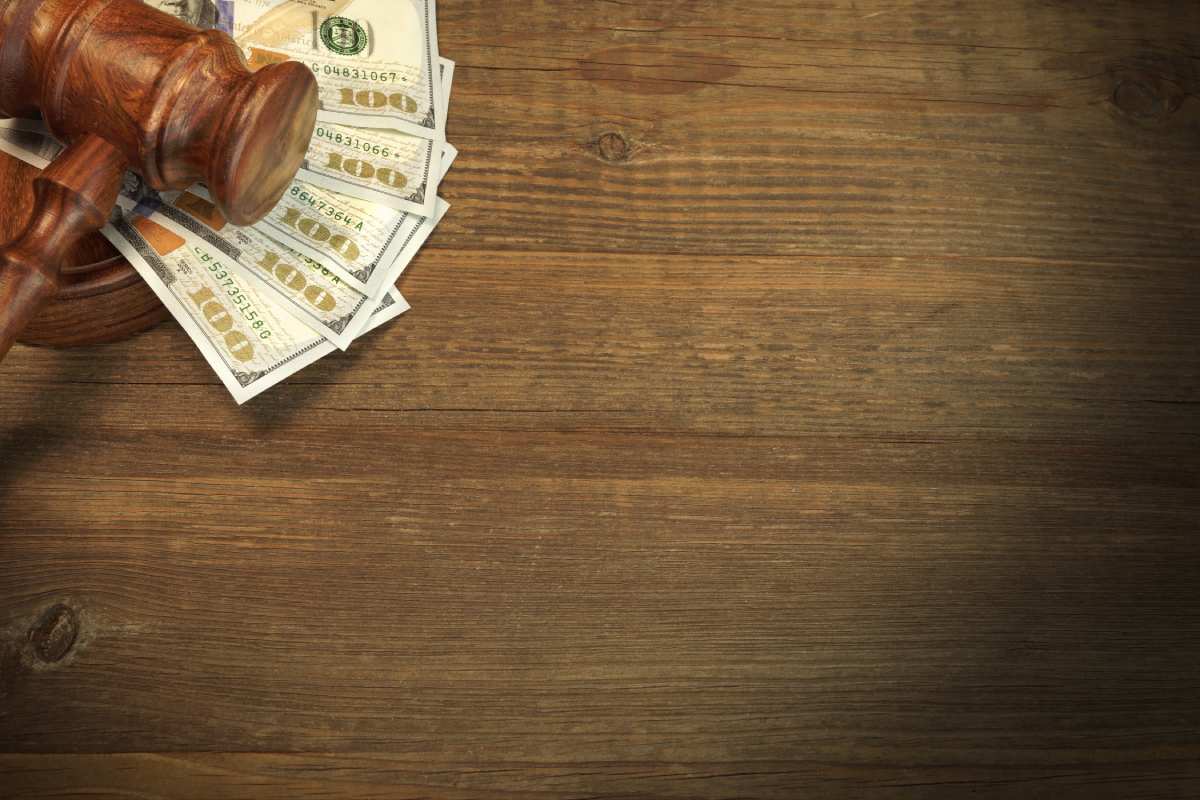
(201, 13)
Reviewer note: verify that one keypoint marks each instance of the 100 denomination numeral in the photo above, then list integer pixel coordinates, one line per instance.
(318, 232)
(375, 99)
(221, 320)
(292, 278)
(360, 168)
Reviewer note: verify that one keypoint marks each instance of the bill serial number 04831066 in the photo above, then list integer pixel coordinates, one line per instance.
(354, 142)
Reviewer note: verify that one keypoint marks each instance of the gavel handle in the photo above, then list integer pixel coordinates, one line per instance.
(72, 198)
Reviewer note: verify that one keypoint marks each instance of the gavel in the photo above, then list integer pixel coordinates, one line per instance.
(126, 86)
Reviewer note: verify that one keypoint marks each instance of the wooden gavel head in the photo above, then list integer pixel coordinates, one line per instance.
(125, 85)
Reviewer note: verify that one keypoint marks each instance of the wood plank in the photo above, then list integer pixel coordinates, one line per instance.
(266, 776)
(944, 348)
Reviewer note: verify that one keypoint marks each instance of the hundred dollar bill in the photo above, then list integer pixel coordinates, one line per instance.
(386, 167)
(375, 60)
(357, 240)
(251, 341)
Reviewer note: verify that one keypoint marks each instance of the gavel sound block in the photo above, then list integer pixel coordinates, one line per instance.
(126, 86)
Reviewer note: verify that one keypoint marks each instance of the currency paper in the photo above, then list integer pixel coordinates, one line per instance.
(383, 166)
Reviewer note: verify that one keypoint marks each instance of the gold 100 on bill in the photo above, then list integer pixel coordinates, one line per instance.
(385, 167)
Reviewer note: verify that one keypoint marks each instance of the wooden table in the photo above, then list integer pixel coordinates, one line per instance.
(799, 401)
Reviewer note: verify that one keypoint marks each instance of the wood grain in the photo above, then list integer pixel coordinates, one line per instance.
(798, 401)
(16, 187)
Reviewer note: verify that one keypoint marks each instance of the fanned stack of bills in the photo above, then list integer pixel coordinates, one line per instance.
(264, 301)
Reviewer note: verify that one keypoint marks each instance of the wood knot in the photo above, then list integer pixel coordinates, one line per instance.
(613, 147)
(54, 634)
(1147, 98)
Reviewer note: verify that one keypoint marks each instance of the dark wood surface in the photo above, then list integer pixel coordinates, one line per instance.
(800, 400)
